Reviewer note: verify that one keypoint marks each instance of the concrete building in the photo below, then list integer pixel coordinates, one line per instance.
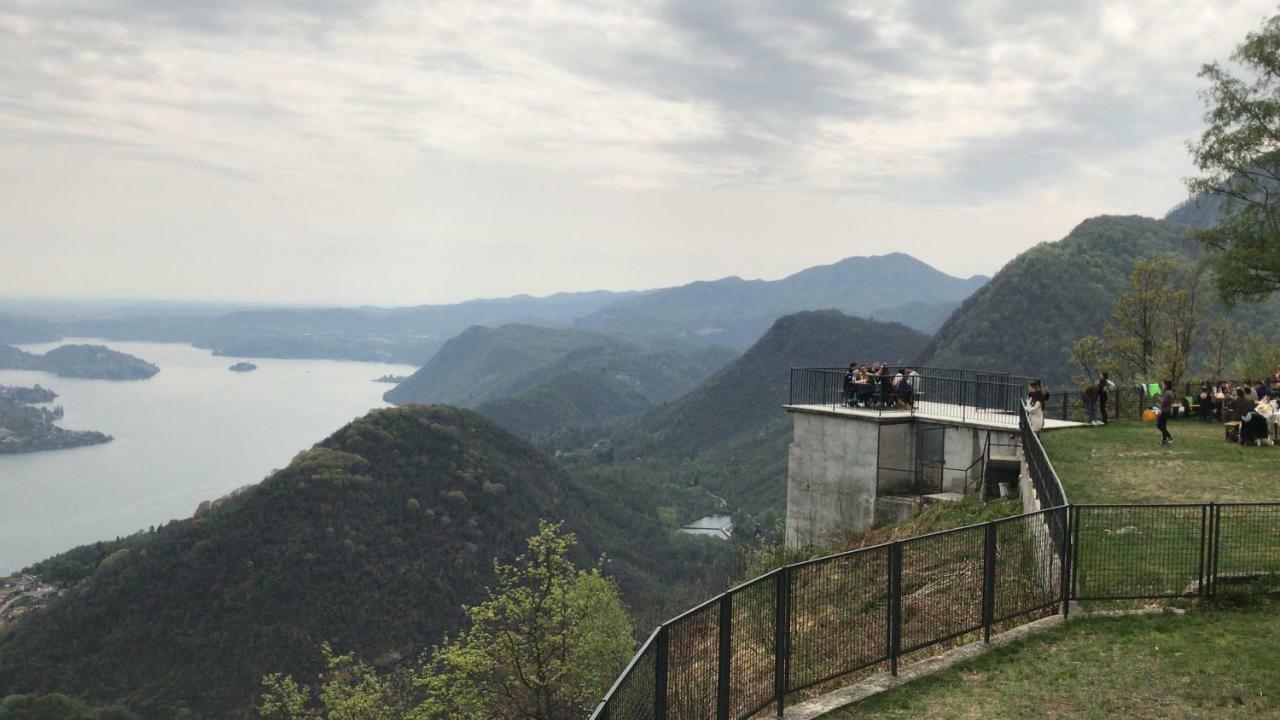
(853, 468)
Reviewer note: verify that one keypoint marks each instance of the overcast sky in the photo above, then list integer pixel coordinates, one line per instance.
(409, 152)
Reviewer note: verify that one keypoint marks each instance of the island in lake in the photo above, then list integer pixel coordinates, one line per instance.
(26, 428)
(393, 379)
(93, 362)
(243, 367)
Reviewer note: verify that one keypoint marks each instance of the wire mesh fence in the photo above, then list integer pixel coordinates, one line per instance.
(809, 623)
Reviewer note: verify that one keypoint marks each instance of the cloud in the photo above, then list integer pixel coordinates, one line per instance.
(914, 103)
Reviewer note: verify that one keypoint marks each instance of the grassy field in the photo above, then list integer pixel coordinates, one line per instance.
(1123, 462)
(1218, 663)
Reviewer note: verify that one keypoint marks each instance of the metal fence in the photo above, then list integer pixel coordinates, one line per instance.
(755, 647)
(944, 393)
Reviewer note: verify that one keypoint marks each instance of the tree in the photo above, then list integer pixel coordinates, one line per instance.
(1154, 324)
(1221, 337)
(1259, 358)
(1238, 154)
(1089, 356)
(544, 646)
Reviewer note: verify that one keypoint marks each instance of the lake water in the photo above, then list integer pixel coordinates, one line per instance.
(194, 432)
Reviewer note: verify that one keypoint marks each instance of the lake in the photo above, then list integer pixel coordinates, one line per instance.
(194, 432)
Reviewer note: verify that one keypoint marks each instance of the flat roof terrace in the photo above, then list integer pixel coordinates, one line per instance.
(936, 395)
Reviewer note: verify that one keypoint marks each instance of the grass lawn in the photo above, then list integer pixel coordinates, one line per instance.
(1123, 462)
(1214, 663)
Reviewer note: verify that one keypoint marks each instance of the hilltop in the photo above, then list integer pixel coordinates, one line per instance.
(1025, 320)
(371, 540)
(79, 361)
(735, 312)
(730, 434)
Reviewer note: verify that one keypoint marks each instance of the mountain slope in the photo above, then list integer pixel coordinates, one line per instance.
(1025, 320)
(371, 540)
(536, 380)
(730, 434)
(735, 312)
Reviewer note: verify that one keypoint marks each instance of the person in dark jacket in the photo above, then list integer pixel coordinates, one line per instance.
(1104, 391)
(1166, 412)
(850, 381)
(1204, 403)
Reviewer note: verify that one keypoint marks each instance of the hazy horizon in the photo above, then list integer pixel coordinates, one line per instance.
(394, 153)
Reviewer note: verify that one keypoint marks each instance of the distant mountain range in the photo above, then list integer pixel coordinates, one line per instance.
(730, 312)
(735, 312)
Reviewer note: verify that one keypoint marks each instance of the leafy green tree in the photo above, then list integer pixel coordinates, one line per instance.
(1221, 337)
(1238, 154)
(1089, 357)
(1259, 357)
(544, 646)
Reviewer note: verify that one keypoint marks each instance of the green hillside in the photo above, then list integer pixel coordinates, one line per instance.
(735, 312)
(79, 361)
(370, 540)
(730, 434)
(1025, 320)
(536, 380)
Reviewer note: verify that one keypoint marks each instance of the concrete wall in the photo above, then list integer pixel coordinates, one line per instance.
(835, 461)
(831, 477)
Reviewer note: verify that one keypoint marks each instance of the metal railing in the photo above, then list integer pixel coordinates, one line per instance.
(944, 393)
(757, 645)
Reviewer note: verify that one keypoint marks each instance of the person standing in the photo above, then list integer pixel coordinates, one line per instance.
(850, 384)
(1090, 399)
(1104, 391)
(1035, 406)
(1166, 412)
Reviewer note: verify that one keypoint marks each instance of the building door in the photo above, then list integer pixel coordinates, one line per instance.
(931, 459)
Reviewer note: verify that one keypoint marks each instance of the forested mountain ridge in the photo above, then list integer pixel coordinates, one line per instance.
(536, 380)
(735, 312)
(371, 540)
(1025, 320)
(730, 434)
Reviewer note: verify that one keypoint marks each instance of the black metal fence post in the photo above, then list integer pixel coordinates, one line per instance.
(1201, 578)
(660, 674)
(1067, 558)
(781, 638)
(1073, 521)
(988, 580)
(1216, 521)
(895, 606)
(726, 657)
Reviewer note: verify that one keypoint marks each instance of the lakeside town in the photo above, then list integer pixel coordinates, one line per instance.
(22, 593)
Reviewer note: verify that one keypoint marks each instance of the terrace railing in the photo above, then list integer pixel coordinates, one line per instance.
(757, 646)
(945, 393)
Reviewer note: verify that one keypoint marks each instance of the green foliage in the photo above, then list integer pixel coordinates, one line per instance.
(1259, 357)
(1238, 153)
(1154, 323)
(56, 706)
(545, 645)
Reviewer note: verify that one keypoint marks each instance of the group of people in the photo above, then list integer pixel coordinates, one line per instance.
(879, 386)
(1255, 405)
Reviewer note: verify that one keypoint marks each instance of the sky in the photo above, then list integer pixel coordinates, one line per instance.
(395, 153)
